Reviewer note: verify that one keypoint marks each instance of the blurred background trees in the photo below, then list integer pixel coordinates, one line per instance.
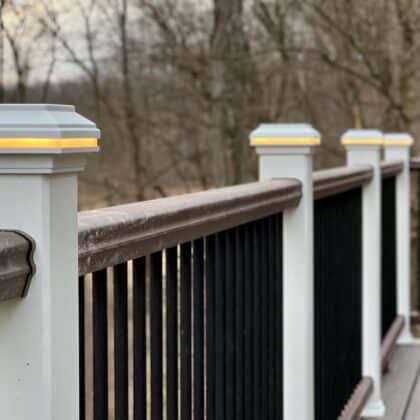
(177, 85)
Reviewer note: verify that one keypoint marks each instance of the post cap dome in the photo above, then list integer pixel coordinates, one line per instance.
(398, 139)
(44, 127)
(362, 137)
(285, 135)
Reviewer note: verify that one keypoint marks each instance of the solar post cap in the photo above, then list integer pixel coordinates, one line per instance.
(45, 129)
(398, 140)
(285, 135)
(43, 148)
(363, 137)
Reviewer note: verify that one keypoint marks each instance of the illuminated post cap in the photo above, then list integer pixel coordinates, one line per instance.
(398, 140)
(285, 135)
(363, 138)
(45, 129)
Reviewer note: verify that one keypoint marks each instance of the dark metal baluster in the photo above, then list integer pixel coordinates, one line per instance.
(230, 324)
(210, 326)
(256, 244)
(271, 264)
(278, 323)
(239, 320)
(186, 331)
(389, 255)
(220, 327)
(198, 329)
(82, 350)
(156, 365)
(121, 341)
(264, 316)
(248, 320)
(337, 304)
(139, 337)
(100, 345)
(172, 332)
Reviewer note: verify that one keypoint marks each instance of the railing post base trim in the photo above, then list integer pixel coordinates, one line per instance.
(374, 409)
(407, 339)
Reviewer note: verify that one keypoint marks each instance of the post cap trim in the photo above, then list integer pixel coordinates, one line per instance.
(285, 135)
(398, 139)
(44, 121)
(273, 141)
(43, 143)
(363, 137)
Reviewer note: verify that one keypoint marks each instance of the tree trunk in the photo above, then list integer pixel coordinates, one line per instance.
(229, 77)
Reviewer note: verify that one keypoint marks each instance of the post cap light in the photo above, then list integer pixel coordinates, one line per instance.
(285, 135)
(45, 129)
(363, 138)
(398, 140)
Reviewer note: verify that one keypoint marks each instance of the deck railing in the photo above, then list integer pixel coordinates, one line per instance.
(338, 297)
(264, 300)
(389, 249)
(206, 308)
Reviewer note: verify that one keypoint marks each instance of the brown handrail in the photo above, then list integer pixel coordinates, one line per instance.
(388, 343)
(16, 264)
(415, 163)
(116, 234)
(391, 168)
(361, 394)
(337, 180)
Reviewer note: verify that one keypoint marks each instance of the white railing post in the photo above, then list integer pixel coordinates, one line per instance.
(285, 151)
(365, 147)
(42, 148)
(397, 147)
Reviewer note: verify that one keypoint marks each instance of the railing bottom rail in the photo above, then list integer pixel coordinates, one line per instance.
(389, 341)
(354, 407)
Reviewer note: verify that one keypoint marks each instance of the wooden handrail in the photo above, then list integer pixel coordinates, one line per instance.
(361, 394)
(391, 168)
(415, 163)
(16, 264)
(116, 234)
(388, 343)
(337, 180)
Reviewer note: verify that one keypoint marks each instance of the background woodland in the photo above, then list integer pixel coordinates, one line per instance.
(177, 85)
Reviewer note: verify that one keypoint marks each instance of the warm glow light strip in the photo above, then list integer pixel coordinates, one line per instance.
(33, 143)
(362, 141)
(399, 142)
(285, 140)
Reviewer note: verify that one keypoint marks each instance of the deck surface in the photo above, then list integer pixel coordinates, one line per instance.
(401, 385)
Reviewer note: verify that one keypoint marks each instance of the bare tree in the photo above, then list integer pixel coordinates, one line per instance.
(231, 72)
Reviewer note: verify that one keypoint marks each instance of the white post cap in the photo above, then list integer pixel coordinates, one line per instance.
(285, 135)
(398, 140)
(45, 129)
(362, 138)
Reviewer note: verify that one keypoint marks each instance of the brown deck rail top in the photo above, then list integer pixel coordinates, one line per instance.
(16, 264)
(337, 180)
(415, 163)
(391, 168)
(113, 235)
